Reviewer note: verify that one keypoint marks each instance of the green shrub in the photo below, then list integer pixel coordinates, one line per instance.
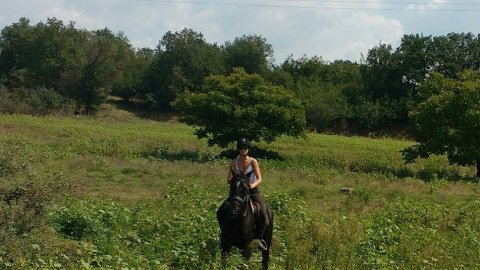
(416, 234)
(40, 101)
(24, 200)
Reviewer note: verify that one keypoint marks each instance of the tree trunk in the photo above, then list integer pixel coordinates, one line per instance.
(478, 168)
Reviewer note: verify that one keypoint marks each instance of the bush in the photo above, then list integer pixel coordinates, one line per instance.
(40, 101)
(24, 196)
(416, 234)
(24, 199)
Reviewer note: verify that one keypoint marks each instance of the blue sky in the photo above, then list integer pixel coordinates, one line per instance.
(331, 29)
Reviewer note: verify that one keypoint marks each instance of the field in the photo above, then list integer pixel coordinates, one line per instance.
(118, 192)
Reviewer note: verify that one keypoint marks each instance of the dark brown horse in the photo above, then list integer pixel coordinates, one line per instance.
(239, 224)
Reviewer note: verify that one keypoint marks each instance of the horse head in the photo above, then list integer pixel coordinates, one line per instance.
(239, 194)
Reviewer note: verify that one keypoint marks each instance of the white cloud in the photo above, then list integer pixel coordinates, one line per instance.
(339, 35)
(431, 5)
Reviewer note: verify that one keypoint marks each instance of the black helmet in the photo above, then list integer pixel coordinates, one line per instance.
(243, 142)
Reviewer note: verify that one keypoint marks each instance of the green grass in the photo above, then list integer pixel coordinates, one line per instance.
(125, 193)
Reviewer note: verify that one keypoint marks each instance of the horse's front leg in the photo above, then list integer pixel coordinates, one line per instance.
(225, 251)
(265, 258)
(247, 252)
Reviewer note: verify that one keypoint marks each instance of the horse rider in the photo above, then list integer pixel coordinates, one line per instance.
(248, 166)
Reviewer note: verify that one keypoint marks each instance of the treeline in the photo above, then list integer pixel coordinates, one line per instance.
(54, 67)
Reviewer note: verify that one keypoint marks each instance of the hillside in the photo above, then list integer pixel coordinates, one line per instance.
(117, 191)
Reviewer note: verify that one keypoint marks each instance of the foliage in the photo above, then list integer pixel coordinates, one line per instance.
(446, 120)
(239, 105)
(41, 101)
(251, 52)
(143, 195)
(182, 60)
(132, 83)
(384, 86)
(24, 197)
(326, 105)
(47, 53)
(47, 67)
(420, 235)
(74, 63)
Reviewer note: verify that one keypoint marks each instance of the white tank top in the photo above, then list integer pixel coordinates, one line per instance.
(249, 169)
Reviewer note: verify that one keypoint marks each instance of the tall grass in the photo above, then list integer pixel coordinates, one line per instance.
(81, 193)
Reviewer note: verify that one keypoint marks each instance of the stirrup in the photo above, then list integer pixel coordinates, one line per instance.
(263, 245)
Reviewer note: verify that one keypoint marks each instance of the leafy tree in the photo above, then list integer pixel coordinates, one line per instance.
(414, 59)
(325, 104)
(15, 51)
(328, 90)
(109, 59)
(131, 83)
(45, 55)
(240, 105)
(304, 67)
(250, 52)
(447, 119)
(89, 92)
(381, 75)
(279, 76)
(418, 55)
(182, 61)
(386, 96)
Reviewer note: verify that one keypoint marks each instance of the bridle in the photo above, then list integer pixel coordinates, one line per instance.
(245, 201)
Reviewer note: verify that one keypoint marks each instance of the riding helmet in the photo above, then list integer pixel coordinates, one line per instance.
(243, 142)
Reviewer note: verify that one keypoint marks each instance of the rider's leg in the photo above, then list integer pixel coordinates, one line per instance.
(264, 220)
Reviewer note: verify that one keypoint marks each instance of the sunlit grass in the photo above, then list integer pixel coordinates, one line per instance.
(160, 178)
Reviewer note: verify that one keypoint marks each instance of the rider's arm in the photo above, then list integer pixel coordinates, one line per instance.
(256, 170)
(230, 175)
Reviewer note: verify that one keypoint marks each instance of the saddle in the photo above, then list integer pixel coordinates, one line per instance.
(255, 207)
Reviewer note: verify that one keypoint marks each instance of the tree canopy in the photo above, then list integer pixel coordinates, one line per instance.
(52, 67)
(251, 52)
(241, 105)
(447, 119)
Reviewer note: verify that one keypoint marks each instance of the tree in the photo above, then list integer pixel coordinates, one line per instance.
(447, 119)
(251, 52)
(45, 55)
(381, 75)
(326, 88)
(182, 61)
(325, 104)
(109, 59)
(414, 59)
(15, 51)
(241, 105)
(304, 67)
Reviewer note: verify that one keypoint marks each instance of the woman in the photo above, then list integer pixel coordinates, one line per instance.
(247, 165)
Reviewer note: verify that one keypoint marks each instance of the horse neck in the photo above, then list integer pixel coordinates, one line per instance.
(235, 185)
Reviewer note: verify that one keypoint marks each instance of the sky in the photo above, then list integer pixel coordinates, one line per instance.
(331, 29)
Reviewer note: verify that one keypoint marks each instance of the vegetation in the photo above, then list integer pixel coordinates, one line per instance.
(112, 191)
(55, 68)
(446, 121)
(241, 105)
(119, 192)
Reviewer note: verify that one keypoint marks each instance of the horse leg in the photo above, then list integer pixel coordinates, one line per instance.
(265, 258)
(268, 233)
(225, 252)
(247, 252)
